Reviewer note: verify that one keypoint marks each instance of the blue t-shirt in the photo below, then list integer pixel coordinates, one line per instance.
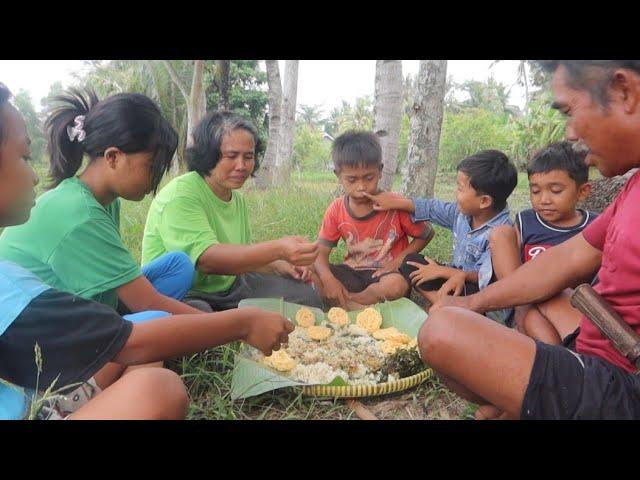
(18, 287)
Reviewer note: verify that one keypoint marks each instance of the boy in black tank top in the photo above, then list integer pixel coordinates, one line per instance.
(558, 181)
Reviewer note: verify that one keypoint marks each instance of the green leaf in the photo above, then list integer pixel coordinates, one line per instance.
(251, 378)
(338, 382)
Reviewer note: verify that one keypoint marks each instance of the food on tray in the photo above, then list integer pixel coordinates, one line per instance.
(280, 360)
(319, 333)
(305, 317)
(338, 316)
(369, 319)
(360, 353)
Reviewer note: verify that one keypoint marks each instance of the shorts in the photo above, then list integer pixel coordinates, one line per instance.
(565, 385)
(355, 281)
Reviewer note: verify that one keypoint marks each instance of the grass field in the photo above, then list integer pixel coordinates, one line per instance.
(298, 209)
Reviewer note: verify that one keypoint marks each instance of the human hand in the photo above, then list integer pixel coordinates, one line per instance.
(424, 273)
(285, 269)
(451, 301)
(265, 330)
(455, 284)
(390, 201)
(390, 266)
(297, 250)
(335, 293)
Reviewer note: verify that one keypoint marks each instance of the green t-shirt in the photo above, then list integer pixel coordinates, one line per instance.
(187, 216)
(73, 243)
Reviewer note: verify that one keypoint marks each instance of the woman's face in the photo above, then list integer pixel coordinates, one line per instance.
(17, 178)
(237, 160)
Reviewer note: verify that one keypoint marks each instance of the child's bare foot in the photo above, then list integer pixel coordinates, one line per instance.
(488, 412)
(350, 305)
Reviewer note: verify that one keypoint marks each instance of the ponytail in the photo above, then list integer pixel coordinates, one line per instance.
(65, 154)
(5, 94)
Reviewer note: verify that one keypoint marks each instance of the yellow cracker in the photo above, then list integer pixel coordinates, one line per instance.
(280, 360)
(305, 317)
(338, 316)
(319, 333)
(369, 319)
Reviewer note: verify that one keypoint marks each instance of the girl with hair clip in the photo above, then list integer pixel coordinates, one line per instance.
(72, 241)
(76, 338)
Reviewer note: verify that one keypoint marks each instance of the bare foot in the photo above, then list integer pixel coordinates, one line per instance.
(351, 305)
(488, 412)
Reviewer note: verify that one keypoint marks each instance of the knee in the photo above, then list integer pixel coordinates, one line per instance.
(181, 262)
(436, 336)
(500, 235)
(170, 393)
(398, 288)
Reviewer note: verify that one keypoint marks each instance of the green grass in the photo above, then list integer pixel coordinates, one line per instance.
(298, 210)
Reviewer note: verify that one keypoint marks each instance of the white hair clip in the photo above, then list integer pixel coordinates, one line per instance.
(77, 130)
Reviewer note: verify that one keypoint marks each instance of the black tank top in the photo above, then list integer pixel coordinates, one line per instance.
(536, 235)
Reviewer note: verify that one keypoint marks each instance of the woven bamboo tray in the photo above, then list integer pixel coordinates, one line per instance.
(353, 391)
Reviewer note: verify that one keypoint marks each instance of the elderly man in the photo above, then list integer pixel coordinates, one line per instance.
(511, 374)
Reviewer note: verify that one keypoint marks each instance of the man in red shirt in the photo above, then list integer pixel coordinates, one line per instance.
(511, 374)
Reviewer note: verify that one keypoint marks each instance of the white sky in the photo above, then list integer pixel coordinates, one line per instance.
(320, 82)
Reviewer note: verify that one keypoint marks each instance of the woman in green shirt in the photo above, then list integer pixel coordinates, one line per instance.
(72, 241)
(202, 214)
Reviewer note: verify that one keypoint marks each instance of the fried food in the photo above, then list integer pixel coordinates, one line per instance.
(280, 360)
(389, 347)
(305, 317)
(393, 334)
(318, 333)
(338, 316)
(369, 319)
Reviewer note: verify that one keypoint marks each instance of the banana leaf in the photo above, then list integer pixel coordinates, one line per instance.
(251, 378)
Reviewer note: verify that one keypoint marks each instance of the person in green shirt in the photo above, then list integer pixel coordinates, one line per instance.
(72, 240)
(202, 214)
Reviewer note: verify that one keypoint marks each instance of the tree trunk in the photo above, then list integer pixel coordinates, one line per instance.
(223, 70)
(419, 174)
(265, 173)
(387, 114)
(287, 127)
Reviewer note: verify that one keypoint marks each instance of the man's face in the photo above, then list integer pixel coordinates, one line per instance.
(359, 180)
(17, 178)
(609, 133)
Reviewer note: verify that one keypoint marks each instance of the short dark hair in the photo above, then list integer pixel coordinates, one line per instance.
(491, 173)
(356, 149)
(204, 154)
(131, 122)
(5, 95)
(593, 76)
(560, 156)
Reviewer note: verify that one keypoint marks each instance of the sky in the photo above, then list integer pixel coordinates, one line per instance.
(320, 82)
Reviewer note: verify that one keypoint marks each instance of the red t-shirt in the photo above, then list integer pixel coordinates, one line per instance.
(371, 240)
(615, 233)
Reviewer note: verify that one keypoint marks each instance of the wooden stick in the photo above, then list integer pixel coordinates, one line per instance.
(361, 411)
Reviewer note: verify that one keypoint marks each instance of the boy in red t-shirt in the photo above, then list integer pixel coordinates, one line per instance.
(377, 242)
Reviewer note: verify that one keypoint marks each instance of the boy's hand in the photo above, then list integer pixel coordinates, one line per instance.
(298, 250)
(455, 284)
(390, 201)
(335, 293)
(265, 330)
(424, 273)
(391, 266)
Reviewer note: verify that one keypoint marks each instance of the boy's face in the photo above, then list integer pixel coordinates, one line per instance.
(17, 178)
(359, 180)
(470, 202)
(554, 195)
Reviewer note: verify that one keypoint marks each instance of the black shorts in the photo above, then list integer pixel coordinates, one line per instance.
(569, 386)
(355, 281)
(431, 285)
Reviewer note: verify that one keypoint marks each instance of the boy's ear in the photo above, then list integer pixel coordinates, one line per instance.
(583, 191)
(486, 201)
(336, 172)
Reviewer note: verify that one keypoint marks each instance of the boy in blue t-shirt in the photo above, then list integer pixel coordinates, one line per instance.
(484, 182)
(558, 181)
